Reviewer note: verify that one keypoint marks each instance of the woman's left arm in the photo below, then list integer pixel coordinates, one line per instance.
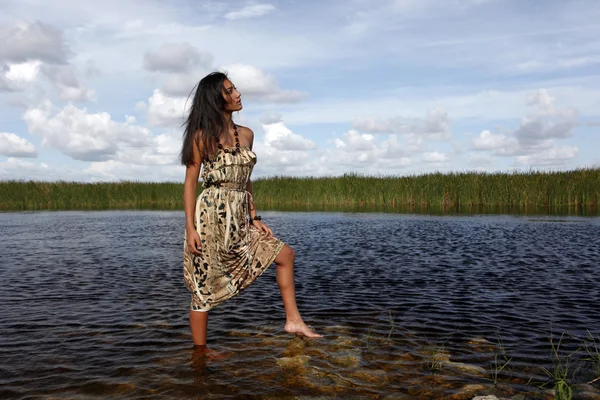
(251, 207)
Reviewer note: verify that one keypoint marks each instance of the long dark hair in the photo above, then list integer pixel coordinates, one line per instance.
(206, 115)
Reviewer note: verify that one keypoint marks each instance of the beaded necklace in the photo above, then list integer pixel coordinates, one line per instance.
(237, 143)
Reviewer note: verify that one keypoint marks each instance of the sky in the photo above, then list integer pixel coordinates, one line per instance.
(98, 92)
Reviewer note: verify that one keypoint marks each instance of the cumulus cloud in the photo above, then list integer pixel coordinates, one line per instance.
(280, 137)
(183, 84)
(558, 155)
(435, 125)
(97, 138)
(12, 145)
(281, 151)
(17, 168)
(498, 143)
(353, 141)
(547, 121)
(84, 136)
(14, 77)
(165, 111)
(67, 84)
(533, 143)
(176, 58)
(182, 64)
(161, 149)
(33, 48)
(24, 41)
(255, 83)
(355, 149)
(250, 11)
(434, 157)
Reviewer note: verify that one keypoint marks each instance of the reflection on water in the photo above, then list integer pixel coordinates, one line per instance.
(411, 307)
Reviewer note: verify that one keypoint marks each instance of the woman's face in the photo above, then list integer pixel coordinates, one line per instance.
(233, 98)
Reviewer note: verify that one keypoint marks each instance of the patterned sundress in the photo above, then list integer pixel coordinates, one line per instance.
(234, 252)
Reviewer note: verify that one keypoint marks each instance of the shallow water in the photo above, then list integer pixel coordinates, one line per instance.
(94, 306)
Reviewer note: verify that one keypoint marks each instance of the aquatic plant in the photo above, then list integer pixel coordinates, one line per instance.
(456, 189)
(436, 354)
(501, 361)
(563, 370)
(391, 324)
(577, 188)
(591, 345)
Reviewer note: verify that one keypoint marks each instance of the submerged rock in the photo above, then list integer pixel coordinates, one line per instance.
(466, 368)
(482, 344)
(350, 359)
(586, 392)
(293, 362)
(399, 396)
(370, 376)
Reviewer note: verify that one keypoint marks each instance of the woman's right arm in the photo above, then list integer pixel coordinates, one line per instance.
(190, 186)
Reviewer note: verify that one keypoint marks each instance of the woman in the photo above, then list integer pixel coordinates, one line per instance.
(224, 251)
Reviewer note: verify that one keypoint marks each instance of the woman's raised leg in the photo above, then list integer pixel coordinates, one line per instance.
(285, 280)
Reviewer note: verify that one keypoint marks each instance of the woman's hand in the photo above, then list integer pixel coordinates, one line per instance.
(263, 228)
(193, 241)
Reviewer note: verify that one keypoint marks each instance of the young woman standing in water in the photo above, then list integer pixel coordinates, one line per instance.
(227, 246)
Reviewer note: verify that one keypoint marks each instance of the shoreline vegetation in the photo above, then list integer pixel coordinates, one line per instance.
(576, 190)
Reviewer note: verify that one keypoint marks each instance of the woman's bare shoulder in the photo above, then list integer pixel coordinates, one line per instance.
(247, 134)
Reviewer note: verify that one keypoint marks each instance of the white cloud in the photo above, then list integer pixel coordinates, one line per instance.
(435, 125)
(12, 145)
(65, 80)
(556, 156)
(355, 141)
(15, 77)
(183, 84)
(166, 111)
(547, 121)
(498, 143)
(435, 157)
(20, 169)
(161, 149)
(533, 142)
(255, 83)
(84, 136)
(24, 41)
(176, 58)
(280, 137)
(360, 151)
(250, 11)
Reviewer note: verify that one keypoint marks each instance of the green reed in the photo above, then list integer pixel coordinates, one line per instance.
(19, 195)
(578, 188)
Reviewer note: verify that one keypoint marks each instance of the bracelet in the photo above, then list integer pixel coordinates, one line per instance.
(256, 218)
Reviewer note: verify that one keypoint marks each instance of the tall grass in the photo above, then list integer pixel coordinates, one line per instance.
(536, 189)
(19, 195)
(578, 188)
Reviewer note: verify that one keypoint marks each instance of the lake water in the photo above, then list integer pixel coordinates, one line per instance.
(411, 306)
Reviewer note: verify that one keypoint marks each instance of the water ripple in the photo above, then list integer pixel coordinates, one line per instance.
(416, 306)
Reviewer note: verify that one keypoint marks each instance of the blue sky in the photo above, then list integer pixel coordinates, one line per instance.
(389, 87)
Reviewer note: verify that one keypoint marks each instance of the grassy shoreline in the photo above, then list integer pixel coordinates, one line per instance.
(574, 189)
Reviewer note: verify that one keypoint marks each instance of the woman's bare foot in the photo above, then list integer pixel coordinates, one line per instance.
(203, 352)
(300, 328)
